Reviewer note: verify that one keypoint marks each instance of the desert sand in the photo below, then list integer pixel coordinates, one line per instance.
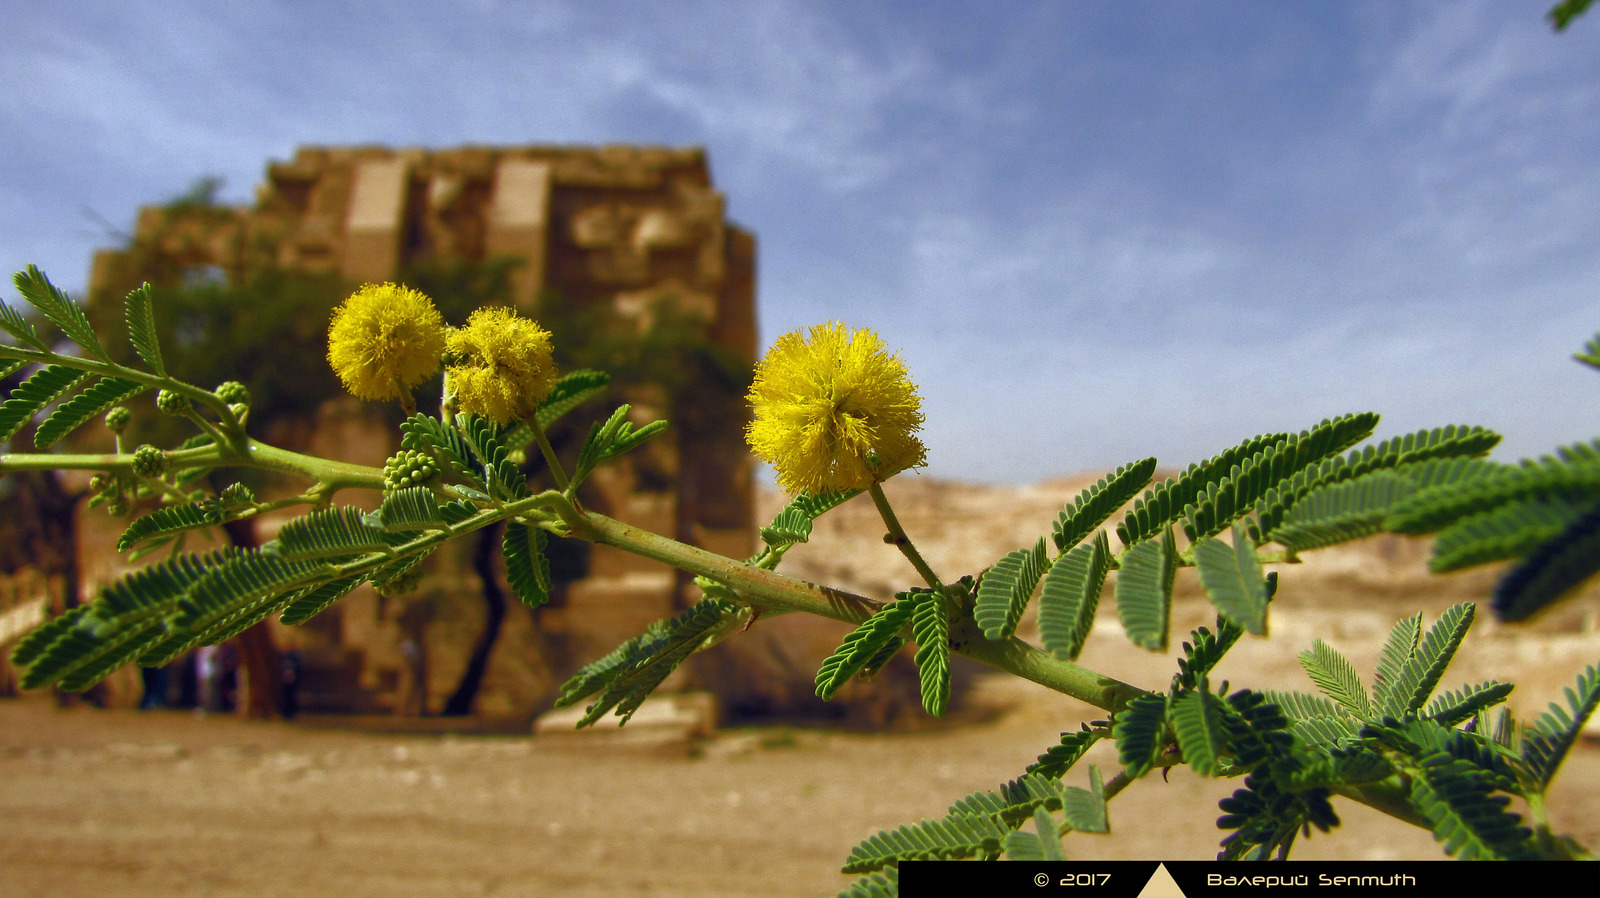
(167, 803)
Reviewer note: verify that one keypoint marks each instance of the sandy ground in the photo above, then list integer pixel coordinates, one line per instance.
(119, 803)
(165, 803)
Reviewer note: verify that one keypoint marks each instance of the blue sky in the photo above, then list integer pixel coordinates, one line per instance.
(1095, 230)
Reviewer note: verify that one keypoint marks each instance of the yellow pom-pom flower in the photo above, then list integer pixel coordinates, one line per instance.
(501, 365)
(384, 340)
(834, 410)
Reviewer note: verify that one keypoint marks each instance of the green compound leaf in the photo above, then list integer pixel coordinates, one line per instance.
(171, 520)
(864, 643)
(1316, 720)
(1337, 679)
(1510, 531)
(1222, 502)
(1453, 707)
(34, 643)
(431, 435)
(504, 479)
(793, 524)
(1197, 721)
(626, 688)
(572, 390)
(1058, 759)
(409, 509)
(1044, 844)
(614, 438)
(457, 510)
(527, 568)
(1015, 801)
(1144, 590)
(230, 587)
(1415, 738)
(884, 883)
(1460, 801)
(308, 603)
(1551, 570)
(1005, 589)
(1427, 511)
(394, 573)
(1164, 503)
(1233, 579)
(947, 838)
(1070, 595)
(333, 533)
(63, 312)
(1427, 457)
(35, 393)
(1137, 729)
(1422, 671)
(599, 674)
(1302, 705)
(1388, 690)
(1560, 16)
(77, 411)
(1547, 741)
(930, 628)
(1095, 505)
(115, 652)
(1086, 808)
(1591, 350)
(139, 309)
(125, 619)
(1342, 512)
(881, 657)
(14, 324)
(1204, 652)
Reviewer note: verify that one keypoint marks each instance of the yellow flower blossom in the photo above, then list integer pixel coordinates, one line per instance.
(834, 410)
(384, 340)
(501, 366)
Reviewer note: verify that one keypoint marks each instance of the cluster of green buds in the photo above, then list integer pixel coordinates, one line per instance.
(109, 490)
(237, 396)
(148, 461)
(118, 419)
(171, 403)
(233, 393)
(408, 467)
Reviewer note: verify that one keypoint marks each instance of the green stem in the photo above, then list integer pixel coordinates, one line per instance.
(218, 435)
(334, 474)
(112, 369)
(558, 473)
(769, 589)
(897, 537)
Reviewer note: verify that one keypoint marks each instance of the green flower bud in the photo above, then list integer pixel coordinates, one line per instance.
(172, 403)
(408, 467)
(117, 506)
(99, 483)
(148, 461)
(233, 393)
(118, 419)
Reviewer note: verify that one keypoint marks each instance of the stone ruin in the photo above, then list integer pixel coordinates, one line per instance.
(623, 226)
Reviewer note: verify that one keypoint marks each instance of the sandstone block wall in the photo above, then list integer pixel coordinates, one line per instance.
(622, 226)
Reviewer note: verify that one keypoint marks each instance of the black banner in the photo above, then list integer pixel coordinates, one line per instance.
(1193, 879)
